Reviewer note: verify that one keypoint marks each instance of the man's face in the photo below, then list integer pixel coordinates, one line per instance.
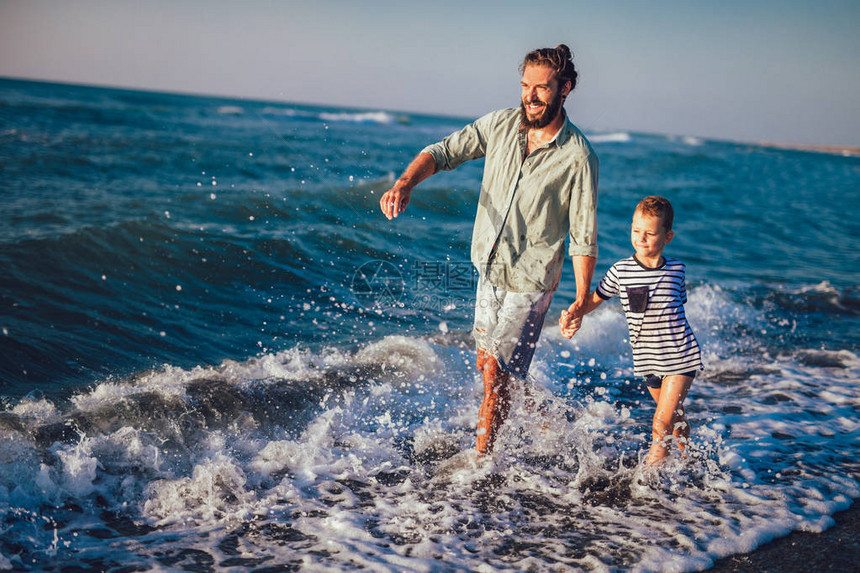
(541, 96)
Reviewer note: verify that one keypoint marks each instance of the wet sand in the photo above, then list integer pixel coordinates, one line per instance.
(837, 550)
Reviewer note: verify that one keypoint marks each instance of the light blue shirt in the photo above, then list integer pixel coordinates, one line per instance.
(528, 205)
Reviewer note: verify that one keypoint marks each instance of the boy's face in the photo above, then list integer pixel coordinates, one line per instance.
(648, 236)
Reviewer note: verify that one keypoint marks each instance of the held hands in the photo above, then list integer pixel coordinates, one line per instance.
(395, 200)
(571, 319)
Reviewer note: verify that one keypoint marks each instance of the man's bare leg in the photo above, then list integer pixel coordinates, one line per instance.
(495, 405)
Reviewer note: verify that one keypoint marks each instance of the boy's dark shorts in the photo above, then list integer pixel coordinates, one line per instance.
(655, 382)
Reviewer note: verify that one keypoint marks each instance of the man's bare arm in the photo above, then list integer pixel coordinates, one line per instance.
(571, 319)
(583, 269)
(395, 200)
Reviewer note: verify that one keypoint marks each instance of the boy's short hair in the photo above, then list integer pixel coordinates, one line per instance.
(656, 206)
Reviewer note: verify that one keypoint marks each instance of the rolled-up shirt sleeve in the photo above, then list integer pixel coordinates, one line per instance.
(461, 146)
(583, 209)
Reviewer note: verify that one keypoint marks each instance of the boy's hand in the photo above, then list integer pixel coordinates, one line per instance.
(569, 323)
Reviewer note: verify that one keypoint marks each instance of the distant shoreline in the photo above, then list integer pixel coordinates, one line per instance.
(845, 150)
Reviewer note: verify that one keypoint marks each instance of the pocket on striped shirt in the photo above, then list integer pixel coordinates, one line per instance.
(637, 298)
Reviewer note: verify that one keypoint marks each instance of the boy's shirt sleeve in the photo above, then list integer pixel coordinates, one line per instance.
(608, 286)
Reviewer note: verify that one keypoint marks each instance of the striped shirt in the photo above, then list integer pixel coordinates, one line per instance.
(662, 340)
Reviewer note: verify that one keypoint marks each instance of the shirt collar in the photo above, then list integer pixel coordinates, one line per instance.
(565, 132)
(562, 136)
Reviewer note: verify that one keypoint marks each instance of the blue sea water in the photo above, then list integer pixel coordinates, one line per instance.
(217, 354)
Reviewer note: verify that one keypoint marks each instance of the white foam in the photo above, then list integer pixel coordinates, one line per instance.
(269, 110)
(231, 110)
(407, 355)
(361, 477)
(619, 137)
(215, 491)
(169, 381)
(359, 117)
(36, 412)
(78, 468)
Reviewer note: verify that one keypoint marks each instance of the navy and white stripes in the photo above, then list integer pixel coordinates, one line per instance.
(662, 340)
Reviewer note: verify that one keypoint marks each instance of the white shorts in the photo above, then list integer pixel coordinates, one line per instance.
(508, 324)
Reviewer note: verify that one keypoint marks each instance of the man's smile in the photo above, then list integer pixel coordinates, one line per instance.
(535, 106)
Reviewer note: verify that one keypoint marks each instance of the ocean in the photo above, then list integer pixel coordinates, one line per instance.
(217, 354)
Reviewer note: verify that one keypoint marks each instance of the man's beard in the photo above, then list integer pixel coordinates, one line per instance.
(551, 110)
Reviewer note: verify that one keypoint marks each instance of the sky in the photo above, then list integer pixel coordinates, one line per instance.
(783, 71)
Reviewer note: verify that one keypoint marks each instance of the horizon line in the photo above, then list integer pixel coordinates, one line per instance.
(847, 150)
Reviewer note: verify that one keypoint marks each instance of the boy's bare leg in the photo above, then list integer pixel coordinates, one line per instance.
(669, 419)
(681, 428)
(495, 405)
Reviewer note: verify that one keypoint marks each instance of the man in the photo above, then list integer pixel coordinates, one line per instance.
(539, 186)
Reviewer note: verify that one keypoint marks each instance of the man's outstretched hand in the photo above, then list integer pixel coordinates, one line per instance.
(394, 201)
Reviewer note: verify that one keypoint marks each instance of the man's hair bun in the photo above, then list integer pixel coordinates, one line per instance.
(559, 58)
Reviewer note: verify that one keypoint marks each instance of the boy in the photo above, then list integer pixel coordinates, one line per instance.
(653, 292)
